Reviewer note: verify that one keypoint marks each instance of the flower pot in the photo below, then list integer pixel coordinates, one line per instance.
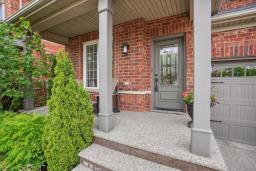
(190, 112)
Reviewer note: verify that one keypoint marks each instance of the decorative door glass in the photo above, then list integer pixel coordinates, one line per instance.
(169, 65)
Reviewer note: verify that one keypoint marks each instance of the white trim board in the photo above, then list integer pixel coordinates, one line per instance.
(134, 92)
(3, 12)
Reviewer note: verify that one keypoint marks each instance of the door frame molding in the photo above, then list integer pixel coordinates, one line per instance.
(163, 38)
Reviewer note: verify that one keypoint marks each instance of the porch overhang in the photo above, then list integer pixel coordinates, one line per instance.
(59, 20)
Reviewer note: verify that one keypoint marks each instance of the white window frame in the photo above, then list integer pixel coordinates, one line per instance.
(85, 44)
(3, 12)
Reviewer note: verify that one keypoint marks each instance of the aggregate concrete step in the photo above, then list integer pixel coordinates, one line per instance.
(151, 156)
(160, 138)
(80, 167)
(101, 158)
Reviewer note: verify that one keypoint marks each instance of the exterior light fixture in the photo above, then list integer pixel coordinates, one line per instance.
(125, 48)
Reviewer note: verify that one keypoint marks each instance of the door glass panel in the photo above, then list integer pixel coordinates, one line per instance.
(216, 73)
(169, 65)
(239, 72)
(227, 72)
(250, 71)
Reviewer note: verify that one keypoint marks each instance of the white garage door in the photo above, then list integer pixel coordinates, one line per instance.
(234, 86)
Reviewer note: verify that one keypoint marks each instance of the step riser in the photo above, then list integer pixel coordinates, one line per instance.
(157, 158)
(93, 165)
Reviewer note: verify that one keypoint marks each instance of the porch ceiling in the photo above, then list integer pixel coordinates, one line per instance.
(125, 10)
(68, 18)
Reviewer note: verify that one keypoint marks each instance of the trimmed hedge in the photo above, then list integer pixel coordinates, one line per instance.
(69, 126)
(21, 141)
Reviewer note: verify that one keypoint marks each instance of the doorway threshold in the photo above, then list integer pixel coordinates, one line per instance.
(177, 112)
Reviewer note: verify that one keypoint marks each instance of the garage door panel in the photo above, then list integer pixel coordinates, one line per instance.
(220, 130)
(236, 101)
(221, 90)
(243, 134)
(243, 112)
(220, 111)
(234, 118)
(241, 91)
(234, 122)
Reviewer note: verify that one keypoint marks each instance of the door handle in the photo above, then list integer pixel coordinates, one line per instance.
(156, 82)
(215, 121)
(217, 82)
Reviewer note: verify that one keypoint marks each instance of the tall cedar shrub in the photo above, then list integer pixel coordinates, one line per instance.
(69, 126)
(21, 141)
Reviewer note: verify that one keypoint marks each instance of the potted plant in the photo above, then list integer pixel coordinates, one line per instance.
(188, 98)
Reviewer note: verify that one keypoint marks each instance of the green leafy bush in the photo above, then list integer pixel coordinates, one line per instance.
(21, 141)
(19, 66)
(69, 126)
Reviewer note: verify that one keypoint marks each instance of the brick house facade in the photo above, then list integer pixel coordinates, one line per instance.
(155, 50)
(12, 6)
(228, 5)
(235, 43)
(134, 71)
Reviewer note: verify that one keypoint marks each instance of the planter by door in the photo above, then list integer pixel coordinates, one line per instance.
(190, 112)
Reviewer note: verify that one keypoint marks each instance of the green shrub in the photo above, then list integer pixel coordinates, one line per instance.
(19, 65)
(21, 141)
(69, 126)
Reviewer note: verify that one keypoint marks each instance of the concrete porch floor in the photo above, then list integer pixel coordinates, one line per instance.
(162, 133)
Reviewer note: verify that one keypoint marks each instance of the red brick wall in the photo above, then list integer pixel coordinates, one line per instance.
(11, 6)
(51, 47)
(131, 68)
(76, 51)
(235, 43)
(25, 2)
(235, 4)
(171, 26)
(135, 68)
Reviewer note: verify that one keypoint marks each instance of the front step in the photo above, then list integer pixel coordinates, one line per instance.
(153, 157)
(101, 158)
(80, 167)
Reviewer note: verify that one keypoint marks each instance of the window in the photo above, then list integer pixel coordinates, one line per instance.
(90, 67)
(246, 70)
(2, 12)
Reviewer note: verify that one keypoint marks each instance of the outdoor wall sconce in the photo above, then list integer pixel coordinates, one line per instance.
(125, 48)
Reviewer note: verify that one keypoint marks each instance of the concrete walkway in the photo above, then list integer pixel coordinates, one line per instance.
(238, 157)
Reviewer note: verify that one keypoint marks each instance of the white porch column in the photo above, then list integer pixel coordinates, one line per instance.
(105, 9)
(201, 131)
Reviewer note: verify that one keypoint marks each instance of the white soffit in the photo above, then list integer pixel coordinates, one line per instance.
(124, 10)
(69, 18)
